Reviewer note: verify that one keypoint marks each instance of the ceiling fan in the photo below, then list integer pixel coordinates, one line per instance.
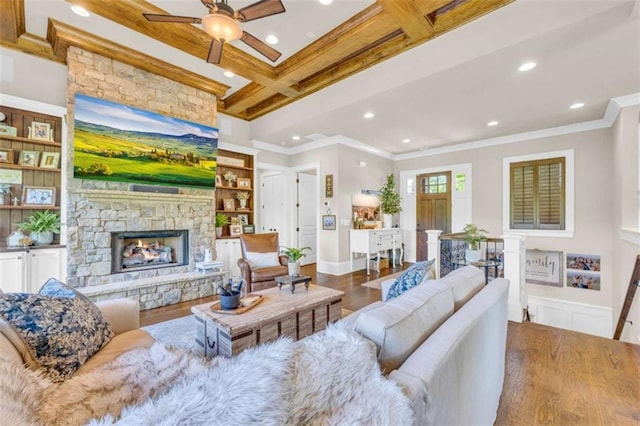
(222, 23)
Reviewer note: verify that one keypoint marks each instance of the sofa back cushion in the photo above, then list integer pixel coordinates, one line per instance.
(60, 328)
(399, 326)
(465, 283)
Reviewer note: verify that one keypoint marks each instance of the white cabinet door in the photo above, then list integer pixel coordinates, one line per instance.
(228, 251)
(12, 272)
(44, 264)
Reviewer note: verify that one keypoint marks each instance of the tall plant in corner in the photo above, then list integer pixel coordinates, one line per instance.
(389, 200)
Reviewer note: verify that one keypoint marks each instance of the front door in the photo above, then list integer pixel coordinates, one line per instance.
(433, 207)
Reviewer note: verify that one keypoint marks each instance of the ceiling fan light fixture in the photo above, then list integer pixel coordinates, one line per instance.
(221, 27)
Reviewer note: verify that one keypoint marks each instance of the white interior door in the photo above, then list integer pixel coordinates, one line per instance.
(272, 205)
(307, 228)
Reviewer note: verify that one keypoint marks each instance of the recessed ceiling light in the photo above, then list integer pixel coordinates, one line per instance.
(527, 66)
(492, 123)
(325, 2)
(406, 140)
(369, 115)
(577, 105)
(78, 10)
(229, 74)
(272, 39)
(295, 137)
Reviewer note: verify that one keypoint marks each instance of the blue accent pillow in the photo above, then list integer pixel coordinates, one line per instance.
(61, 328)
(409, 278)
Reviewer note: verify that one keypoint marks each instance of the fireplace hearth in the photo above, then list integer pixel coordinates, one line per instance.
(132, 251)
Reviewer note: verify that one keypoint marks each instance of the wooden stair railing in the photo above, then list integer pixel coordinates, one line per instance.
(631, 292)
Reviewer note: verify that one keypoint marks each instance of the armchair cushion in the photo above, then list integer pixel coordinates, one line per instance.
(262, 260)
(59, 327)
(268, 273)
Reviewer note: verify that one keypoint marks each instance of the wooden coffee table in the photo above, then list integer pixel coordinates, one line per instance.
(280, 313)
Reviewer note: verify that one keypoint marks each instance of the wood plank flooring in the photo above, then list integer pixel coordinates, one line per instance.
(552, 377)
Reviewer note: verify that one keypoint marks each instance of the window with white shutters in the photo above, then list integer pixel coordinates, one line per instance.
(538, 194)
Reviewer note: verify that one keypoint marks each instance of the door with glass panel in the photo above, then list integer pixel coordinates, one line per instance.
(433, 207)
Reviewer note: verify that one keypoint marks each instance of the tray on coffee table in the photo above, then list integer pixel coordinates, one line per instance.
(246, 303)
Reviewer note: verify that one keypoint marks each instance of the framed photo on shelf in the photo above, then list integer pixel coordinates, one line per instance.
(248, 229)
(50, 160)
(11, 176)
(235, 230)
(229, 204)
(39, 196)
(8, 130)
(41, 131)
(28, 158)
(244, 219)
(244, 183)
(218, 180)
(329, 222)
(6, 156)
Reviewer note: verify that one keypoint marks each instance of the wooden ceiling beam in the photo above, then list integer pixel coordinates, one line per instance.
(12, 24)
(410, 17)
(61, 36)
(184, 37)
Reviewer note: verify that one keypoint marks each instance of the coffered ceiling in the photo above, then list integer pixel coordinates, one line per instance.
(432, 71)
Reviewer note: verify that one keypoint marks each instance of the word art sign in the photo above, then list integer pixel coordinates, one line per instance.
(543, 267)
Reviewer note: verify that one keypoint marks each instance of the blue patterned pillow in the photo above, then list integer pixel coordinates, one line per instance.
(409, 278)
(61, 327)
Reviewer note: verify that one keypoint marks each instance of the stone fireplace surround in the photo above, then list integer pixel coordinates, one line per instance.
(94, 214)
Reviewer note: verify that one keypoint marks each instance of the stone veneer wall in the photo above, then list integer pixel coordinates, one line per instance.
(96, 208)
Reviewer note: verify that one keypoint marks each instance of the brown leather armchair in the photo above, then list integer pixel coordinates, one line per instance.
(261, 277)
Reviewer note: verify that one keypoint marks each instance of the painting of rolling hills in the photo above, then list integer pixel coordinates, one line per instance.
(118, 143)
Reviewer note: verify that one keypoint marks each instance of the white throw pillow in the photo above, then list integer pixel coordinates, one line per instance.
(262, 260)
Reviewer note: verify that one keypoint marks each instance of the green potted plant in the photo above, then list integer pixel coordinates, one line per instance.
(243, 196)
(473, 237)
(294, 254)
(389, 200)
(41, 226)
(220, 220)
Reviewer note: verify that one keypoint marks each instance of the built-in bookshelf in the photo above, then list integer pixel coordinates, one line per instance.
(242, 167)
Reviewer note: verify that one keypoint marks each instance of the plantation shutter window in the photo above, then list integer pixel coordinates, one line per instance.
(537, 194)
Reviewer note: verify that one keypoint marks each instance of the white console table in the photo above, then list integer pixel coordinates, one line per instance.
(374, 241)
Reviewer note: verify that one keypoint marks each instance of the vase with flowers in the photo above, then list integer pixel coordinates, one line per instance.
(243, 197)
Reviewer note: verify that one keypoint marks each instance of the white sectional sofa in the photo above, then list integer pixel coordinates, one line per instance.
(444, 342)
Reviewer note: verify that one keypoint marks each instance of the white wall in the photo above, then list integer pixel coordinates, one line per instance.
(30, 77)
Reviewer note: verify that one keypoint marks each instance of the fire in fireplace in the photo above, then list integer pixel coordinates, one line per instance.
(148, 249)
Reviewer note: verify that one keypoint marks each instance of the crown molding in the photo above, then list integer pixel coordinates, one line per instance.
(609, 118)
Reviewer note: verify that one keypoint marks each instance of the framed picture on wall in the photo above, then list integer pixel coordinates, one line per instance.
(544, 267)
(328, 186)
(329, 222)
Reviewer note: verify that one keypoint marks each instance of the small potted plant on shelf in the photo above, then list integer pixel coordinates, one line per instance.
(243, 196)
(389, 200)
(41, 226)
(294, 254)
(473, 237)
(5, 189)
(230, 177)
(221, 220)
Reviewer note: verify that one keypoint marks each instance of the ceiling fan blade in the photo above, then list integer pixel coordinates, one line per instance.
(215, 52)
(260, 9)
(152, 17)
(262, 47)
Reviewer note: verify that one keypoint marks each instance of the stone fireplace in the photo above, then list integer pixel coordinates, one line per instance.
(131, 251)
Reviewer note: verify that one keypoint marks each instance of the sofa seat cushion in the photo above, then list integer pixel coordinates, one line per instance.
(120, 344)
(60, 329)
(400, 325)
(268, 273)
(465, 283)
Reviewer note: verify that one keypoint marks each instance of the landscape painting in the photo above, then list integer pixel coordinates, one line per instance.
(119, 143)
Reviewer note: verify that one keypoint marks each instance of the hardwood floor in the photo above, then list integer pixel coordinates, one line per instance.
(552, 376)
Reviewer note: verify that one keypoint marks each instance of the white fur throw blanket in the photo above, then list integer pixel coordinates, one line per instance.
(329, 378)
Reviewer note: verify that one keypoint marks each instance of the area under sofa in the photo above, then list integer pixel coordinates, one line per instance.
(453, 375)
